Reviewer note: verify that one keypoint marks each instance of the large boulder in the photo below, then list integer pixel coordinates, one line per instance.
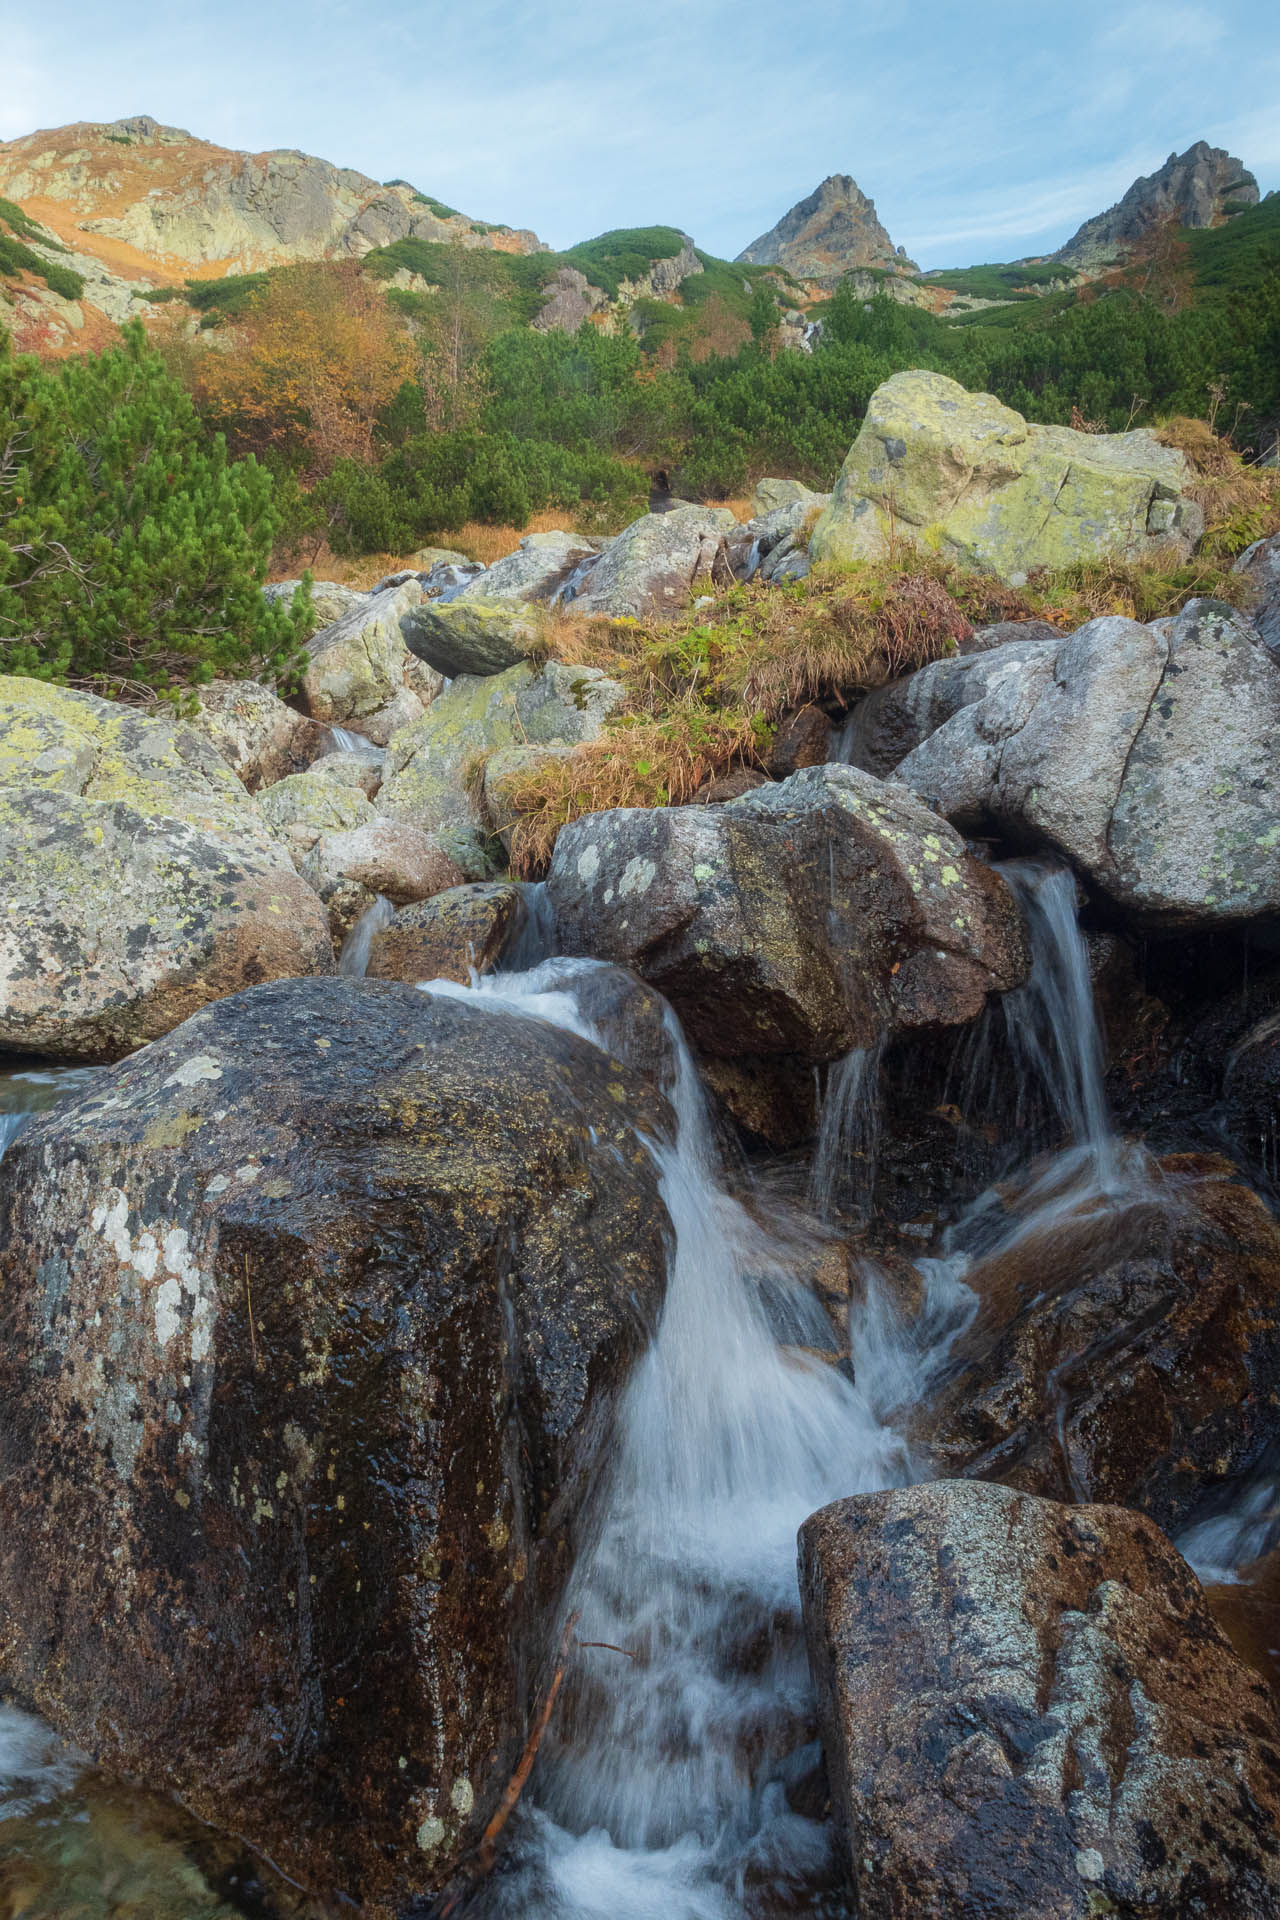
(963, 474)
(330, 600)
(474, 633)
(1127, 1356)
(652, 570)
(541, 565)
(360, 673)
(804, 918)
(314, 1312)
(772, 494)
(1029, 1714)
(138, 876)
(1260, 565)
(1144, 754)
(892, 721)
(260, 738)
(427, 762)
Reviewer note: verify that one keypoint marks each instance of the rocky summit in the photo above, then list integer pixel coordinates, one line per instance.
(829, 233)
(1198, 188)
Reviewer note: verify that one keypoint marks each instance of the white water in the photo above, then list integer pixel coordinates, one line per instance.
(353, 961)
(345, 741)
(844, 1160)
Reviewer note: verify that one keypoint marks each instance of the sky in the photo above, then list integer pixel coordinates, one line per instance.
(982, 131)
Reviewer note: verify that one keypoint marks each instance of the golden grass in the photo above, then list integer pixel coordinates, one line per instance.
(1241, 503)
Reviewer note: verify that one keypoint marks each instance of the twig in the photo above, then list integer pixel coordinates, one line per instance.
(248, 1294)
(608, 1647)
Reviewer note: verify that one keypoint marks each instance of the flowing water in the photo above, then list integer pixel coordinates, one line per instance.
(680, 1776)
(353, 961)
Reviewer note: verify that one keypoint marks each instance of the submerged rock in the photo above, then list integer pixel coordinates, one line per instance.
(1130, 1355)
(965, 475)
(802, 918)
(140, 880)
(1029, 1714)
(1144, 754)
(313, 1312)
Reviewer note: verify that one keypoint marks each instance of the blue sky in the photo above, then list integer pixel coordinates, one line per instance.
(982, 131)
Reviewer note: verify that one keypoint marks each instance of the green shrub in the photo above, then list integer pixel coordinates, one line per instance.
(132, 551)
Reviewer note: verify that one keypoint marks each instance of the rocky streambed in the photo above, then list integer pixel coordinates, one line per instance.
(740, 1380)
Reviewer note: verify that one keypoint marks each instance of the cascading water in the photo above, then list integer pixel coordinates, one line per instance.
(848, 1133)
(353, 961)
(345, 741)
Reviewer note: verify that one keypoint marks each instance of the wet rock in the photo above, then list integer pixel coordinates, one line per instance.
(444, 938)
(802, 918)
(427, 762)
(475, 635)
(260, 738)
(541, 563)
(361, 674)
(349, 869)
(1260, 564)
(1144, 754)
(771, 1099)
(1130, 1357)
(963, 474)
(803, 739)
(139, 878)
(652, 570)
(1029, 1714)
(314, 1311)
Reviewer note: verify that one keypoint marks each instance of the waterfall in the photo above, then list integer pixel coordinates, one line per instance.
(32, 1090)
(345, 741)
(354, 958)
(536, 936)
(848, 1133)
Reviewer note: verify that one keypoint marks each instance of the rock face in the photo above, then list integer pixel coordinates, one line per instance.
(313, 1312)
(965, 475)
(1136, 1365)
(139, 878)
(651, 570)
(1144, 754)
(557, 706)
(827, 235)
(1029, 1714)
(361, 673)
(571, 299)
(260, 738)
(1192, 189)
(803, 918)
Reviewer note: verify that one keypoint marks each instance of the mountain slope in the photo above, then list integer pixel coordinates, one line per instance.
(828, 234)
(1198, 188)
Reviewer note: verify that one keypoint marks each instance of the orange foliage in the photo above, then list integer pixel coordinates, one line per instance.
(311, 365)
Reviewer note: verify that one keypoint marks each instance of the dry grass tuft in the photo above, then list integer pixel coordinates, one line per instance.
(1241, 503)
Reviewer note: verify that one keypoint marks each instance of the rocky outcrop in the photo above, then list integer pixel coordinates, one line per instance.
(1192, 189)
(652, 570)
(1144, 754)
(260, 738)
(445, 938)
(428, 761)
(571, 299)
(829, 233)
(1130, 1356)
(140, 880)
(1029, 1714)
(362, 675)
(962, 474)
(804, 918)
(314, 1311)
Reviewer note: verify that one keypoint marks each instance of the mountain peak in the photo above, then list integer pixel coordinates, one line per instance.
(1194, 188)
(831, 232)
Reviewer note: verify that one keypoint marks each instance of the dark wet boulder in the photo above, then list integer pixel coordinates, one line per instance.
(802, 919)
(312, 1316)
(1129, 1356)
(446, 937)
(1029, 1714)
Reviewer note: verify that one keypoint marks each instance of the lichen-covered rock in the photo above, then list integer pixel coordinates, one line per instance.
(1029, 1714)
(139, 879)
(426, 763)
(653, 568)
(361, 674)
(803, 918)
(456, 932)
(1260, 565)
(302, 807)
(1130, 1357)
(260, 738)
(772, 494)
(474, 634)
(962, 474)
(1144, 754)
(314, 1312)
(541, 563)
(893, 721)
(360, 767)
(329, 598)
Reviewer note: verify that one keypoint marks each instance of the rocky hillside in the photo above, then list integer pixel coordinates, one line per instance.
(1199, 188)
(825, 236)
(131, 203)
